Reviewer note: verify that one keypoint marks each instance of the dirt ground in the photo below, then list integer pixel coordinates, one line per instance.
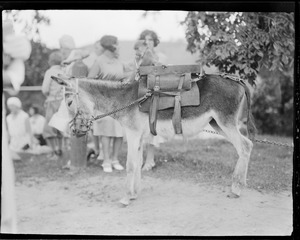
(90, 206)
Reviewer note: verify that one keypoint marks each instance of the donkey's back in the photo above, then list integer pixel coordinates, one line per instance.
(220, 96)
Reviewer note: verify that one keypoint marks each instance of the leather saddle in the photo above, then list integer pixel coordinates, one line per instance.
(171, 87)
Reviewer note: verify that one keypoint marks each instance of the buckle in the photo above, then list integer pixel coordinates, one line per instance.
(156, 88)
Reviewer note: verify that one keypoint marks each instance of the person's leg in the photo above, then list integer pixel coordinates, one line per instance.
(101, 155)
(59, 142)
(51, 142)
(106, 153)
(8, 197)
(116, 148)
(97, 144)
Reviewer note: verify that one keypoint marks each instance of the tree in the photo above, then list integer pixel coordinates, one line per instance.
(242, 42)
(30, 21)
(251, 44)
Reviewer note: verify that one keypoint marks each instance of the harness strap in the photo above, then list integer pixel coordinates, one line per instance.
(176, 119)
(154, 106)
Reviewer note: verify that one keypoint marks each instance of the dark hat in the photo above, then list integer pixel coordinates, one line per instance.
(108, 42)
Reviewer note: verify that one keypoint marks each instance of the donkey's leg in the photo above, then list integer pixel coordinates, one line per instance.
(133, 165)
(243, 147)
(149, 163)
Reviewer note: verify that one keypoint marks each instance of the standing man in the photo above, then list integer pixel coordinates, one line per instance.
(16, 49)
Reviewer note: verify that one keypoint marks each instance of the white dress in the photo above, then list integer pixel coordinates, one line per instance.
(19, 137)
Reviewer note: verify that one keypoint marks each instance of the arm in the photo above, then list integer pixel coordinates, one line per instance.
(46, 83)
(28, 131)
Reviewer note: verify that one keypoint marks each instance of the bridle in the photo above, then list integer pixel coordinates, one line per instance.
(79, 125)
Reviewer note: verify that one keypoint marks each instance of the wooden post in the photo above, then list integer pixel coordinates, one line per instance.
(78, 153)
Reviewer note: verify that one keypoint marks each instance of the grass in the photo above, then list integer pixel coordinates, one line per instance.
(203, 161)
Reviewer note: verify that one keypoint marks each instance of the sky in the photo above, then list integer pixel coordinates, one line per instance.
(88, 26)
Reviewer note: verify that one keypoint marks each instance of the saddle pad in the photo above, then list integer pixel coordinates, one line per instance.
(188, 98)
(170, 81)
(169, 69)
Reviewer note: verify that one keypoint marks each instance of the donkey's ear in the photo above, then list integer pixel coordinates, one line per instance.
(60, 81)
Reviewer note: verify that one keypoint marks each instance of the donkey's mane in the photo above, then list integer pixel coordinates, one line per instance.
(110, 82)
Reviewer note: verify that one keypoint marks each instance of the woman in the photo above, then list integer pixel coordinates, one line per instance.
(110, 130)
(54, 93)
(18, 126)
(37, 124)
(151, 39)
(16, 50)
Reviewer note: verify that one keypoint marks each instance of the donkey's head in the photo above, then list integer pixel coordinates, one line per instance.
(77, 108)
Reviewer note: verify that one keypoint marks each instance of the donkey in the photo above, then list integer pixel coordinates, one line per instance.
(221, 104)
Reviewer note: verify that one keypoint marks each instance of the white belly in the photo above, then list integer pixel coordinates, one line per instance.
(190, 127)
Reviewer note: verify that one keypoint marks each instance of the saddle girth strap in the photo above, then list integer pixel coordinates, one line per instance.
(154, 106)
(176, 119)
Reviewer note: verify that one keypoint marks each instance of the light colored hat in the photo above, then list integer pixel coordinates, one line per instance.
(14, 101)
(66, 41)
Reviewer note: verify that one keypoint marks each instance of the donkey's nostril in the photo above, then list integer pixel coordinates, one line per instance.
(69, 103)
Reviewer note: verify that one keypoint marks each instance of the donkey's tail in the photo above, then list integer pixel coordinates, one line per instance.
(251, 129)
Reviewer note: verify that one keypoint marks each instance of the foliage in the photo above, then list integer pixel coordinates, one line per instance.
(29, 20)
(242, 42)
(251, 44)
(273, 103)
(37, 64)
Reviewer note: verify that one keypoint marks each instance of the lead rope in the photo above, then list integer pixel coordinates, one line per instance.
(258, 140)
(140, 100)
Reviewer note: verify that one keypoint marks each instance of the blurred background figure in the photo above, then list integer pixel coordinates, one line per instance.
(16, 49)
(151, 40)
(66, 44)
(110, 130)
(54, 95)
(37, 124)
(19, 130)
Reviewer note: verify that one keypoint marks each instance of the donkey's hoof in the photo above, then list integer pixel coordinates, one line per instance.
(236, 189)
(148, 166)
(232, 195)
(133, 197)
(125, 201)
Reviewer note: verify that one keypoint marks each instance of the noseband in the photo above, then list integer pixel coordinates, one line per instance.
(79, 125)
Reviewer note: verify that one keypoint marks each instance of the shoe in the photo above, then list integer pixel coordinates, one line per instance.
(116, 165)
(59, 152)
(107, 168)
